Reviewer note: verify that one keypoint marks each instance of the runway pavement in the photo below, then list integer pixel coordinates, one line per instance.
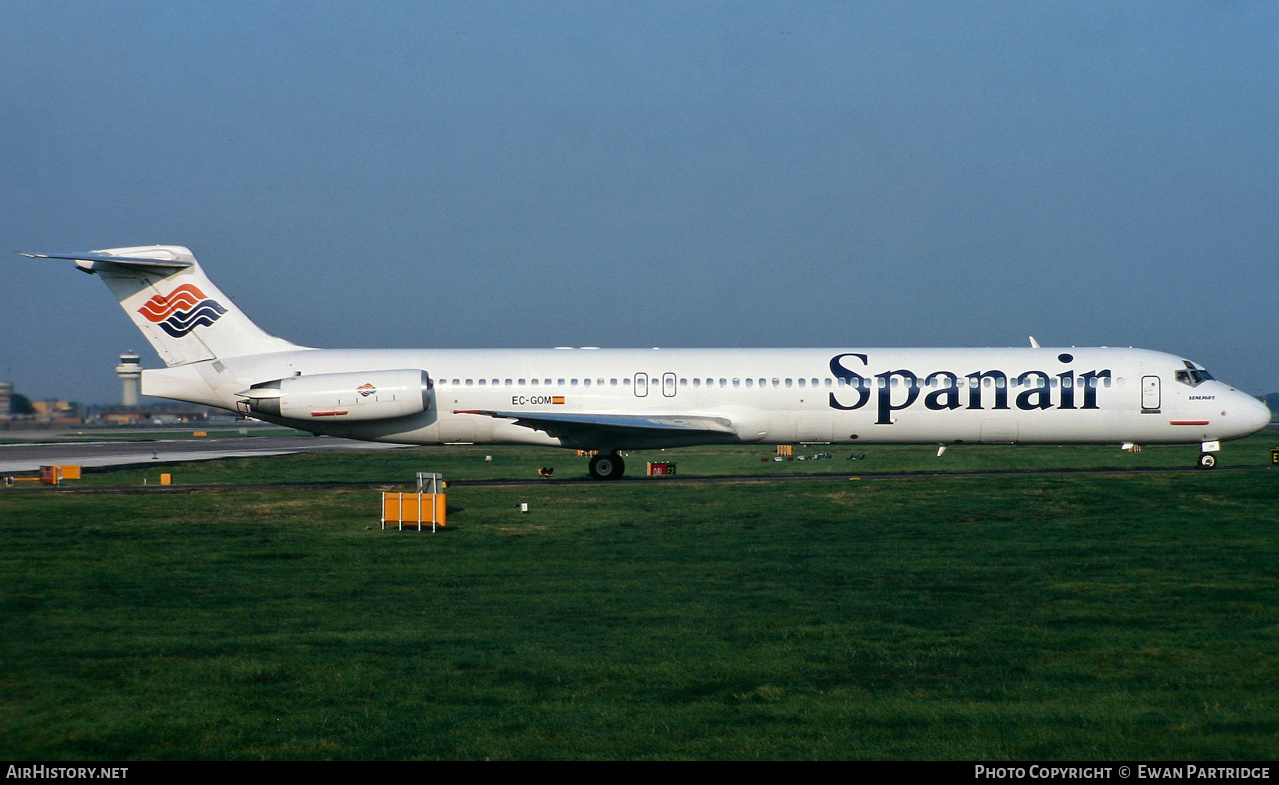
(30, 456)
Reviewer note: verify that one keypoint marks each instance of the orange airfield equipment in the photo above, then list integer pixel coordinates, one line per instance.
(414, 509)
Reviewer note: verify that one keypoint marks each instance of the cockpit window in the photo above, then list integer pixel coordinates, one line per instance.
(1193, 377)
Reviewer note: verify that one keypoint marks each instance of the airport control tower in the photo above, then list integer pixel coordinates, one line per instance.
(130, 372)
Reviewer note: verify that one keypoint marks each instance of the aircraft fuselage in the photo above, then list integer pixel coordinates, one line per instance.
(839, 396)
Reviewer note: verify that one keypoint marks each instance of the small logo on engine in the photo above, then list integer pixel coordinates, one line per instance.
(366, 389)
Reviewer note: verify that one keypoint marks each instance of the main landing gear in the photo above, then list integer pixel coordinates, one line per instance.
(607, 466)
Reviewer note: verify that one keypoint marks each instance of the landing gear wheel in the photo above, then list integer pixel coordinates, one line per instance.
(607, 467)
(1207, 460)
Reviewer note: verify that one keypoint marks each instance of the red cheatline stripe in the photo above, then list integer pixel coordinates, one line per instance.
(1189, 422)
(327, 414)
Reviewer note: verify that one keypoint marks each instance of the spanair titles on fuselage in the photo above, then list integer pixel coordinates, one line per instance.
(901, 388)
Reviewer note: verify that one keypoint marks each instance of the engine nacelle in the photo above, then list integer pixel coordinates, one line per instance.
(372, 395)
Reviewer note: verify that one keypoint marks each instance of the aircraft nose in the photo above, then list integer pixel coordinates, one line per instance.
(1255, 414)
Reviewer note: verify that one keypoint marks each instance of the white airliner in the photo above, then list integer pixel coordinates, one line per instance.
(607, 400)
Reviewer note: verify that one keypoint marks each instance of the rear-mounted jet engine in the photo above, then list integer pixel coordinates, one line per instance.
(375, 395)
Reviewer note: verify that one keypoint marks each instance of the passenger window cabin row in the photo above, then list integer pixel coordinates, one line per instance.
(801, 383)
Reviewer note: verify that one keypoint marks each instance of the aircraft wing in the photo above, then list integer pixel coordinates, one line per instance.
(618, 431)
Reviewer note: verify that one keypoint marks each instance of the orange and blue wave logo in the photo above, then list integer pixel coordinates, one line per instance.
(185, 309)
(366, 389)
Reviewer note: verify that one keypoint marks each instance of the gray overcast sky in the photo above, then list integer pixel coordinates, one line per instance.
(636, 174)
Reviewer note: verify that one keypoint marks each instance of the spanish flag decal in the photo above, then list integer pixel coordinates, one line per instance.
(557, 399)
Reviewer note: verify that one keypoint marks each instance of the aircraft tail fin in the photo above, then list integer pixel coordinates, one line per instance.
(169, 298)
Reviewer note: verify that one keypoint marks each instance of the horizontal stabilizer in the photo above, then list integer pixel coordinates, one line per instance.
(134, 262)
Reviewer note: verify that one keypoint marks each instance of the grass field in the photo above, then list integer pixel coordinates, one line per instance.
(1023, 617)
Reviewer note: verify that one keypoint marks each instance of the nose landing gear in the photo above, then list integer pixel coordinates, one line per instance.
(1208, 458)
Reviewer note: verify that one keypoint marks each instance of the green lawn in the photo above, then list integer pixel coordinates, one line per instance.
(1066, 616)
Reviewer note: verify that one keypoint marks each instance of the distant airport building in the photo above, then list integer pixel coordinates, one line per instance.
(17, 412)
(130, 372)
(163, 413)
(57, 412)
